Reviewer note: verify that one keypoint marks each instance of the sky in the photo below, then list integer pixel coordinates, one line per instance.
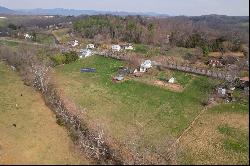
(171, 7)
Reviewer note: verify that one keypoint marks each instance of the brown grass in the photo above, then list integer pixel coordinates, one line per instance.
(173, 87)
(37, 138)
(203, 143)
(218, 54)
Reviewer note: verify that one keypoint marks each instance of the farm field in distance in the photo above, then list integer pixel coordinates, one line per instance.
(29, 133)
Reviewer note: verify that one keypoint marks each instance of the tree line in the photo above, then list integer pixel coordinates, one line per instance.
(210, 33)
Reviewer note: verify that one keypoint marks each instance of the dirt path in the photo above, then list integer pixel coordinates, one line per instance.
(29, 132)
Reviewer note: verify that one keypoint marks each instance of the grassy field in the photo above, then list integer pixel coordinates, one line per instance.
(62, 34)
(45, 39)
(220, 136)
(29, 133)
(132, 112)
(2, 22)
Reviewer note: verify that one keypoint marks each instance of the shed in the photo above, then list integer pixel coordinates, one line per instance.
(85, 53)
(145, 65)
(119, 78)
(172, 80)
(75, 43)
(90, 46)
(116, 47)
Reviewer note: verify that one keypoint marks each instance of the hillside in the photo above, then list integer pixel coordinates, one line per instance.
(4, 10)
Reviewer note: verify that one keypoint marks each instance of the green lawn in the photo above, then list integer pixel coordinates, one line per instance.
(131, 110)
(181, 77)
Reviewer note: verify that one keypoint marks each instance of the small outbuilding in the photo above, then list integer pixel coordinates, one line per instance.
(119, 78)
(85, 53)
(90, 46)
(145, 66)
(128, 47)
(116, 47)
(74, 43)
(172, 80)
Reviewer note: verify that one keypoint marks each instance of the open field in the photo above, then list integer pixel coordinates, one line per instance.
(132, 112)
(29, 132)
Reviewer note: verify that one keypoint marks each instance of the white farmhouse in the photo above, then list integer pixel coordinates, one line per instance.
(116, 47)
(90, 46)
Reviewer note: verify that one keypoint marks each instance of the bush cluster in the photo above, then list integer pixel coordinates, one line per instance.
(64, 58)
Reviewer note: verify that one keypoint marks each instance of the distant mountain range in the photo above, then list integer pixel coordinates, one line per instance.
(4, 10)
(73, 12)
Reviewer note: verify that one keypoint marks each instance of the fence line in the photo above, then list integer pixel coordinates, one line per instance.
(223, 75)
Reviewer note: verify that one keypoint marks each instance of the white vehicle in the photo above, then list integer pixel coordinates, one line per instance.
(90, 46)
(116, 47)
(85, 53)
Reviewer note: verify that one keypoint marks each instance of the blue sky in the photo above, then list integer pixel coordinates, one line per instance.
(172, 7)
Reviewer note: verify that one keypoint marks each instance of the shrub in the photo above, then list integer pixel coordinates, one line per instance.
(140, 48)
(58, 59)
(64, 58)
(206, 50)
(71, 57)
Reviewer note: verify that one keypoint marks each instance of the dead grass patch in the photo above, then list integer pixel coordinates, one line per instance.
(29, 132)
(173, 87)
(203, 144)
(219, 54)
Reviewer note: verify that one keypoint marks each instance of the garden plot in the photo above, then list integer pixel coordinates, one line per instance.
(164, 79)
